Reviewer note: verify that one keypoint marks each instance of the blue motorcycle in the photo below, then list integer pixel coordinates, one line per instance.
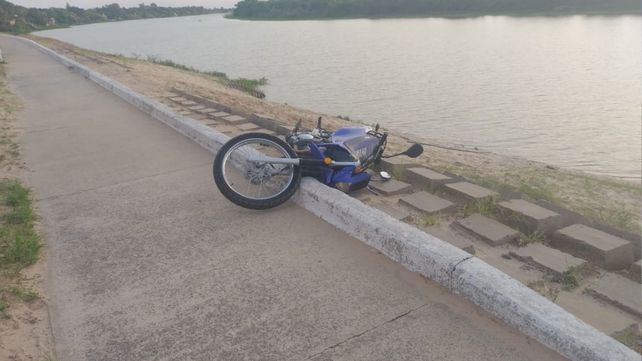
(261, 171)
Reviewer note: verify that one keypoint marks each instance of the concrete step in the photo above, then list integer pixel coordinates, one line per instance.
(426, 202)
(197, 107)
(206, 110)
(425, 177)
(227, 129)
(603, 249)
(397, 165)
(187, 103)
(235, 119)
(264, 121)
(395, 211)
(635, 272)
(219, 114)
(548, 259)
(488, 230)
(212, 123)
(266, 131)
(177, 99)
(391, 187)
(618, 291)
(246, 127)
(469, 191)
(529, 217)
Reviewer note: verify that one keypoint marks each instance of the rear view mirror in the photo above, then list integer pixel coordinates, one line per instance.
(414, 151)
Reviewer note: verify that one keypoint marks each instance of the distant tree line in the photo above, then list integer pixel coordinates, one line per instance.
(310, 9)
(19, 19)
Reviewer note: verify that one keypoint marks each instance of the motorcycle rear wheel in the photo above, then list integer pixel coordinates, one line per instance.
(256, 185)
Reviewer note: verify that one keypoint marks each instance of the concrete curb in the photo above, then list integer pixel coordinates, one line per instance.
(484, 285)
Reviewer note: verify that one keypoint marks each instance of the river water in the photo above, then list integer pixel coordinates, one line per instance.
(562, 90)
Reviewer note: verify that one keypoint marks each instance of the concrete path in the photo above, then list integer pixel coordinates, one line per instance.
(149, 262)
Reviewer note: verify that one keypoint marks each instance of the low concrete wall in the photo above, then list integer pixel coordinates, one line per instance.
(487, 287)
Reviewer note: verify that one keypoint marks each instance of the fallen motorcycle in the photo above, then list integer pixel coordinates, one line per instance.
(261, 171)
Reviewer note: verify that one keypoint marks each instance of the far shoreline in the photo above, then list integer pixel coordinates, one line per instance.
(447, 15)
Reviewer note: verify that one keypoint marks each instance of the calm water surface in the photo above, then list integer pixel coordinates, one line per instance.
(563, 90)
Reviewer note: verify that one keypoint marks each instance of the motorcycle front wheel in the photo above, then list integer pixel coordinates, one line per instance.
(252, 184)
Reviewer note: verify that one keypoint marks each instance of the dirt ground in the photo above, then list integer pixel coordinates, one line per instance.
(602, 199)
(25, 332)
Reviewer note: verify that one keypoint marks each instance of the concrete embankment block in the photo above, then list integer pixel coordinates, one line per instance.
(177, 99)
(487, 229)
(269, 123)
(391, 187)
(397, 165)
(428, 203)
(605, 250)
(548, 259)
(635, 272)
(282, 130)
(246, 127)
(469, 191)
(426, 178)
(395, 212)
(206, 110)
(188, 103)
(529, 217)
(235, 119)
(264, 121)
(228, 129)
(266, 131)
(485, 286)
(619, 291)
(220, 114)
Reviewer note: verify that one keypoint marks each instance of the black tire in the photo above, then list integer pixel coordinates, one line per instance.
(241, 200)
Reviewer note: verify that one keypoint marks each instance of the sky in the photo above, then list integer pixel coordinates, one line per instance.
(126, 3)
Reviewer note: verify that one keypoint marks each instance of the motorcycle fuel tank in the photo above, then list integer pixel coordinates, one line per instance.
(357, 141)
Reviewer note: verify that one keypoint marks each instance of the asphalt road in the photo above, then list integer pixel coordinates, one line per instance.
(147, 261)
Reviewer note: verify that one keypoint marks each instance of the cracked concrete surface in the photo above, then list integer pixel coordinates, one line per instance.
(331, 347)
(149, 262)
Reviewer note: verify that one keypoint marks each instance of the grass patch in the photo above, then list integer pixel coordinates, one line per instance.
(618, 218)
(16, 197)
(21, 248)
(526, 239)
(570, 279)
(428, 220)
(19, 242)
(399, 173)
(537, 191)
(545, 289)
(630, 337)
(3, 309)
(23, 294)
(484, 207)
(250, 86)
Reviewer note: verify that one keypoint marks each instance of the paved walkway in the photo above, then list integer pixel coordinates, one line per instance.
(149, 262)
